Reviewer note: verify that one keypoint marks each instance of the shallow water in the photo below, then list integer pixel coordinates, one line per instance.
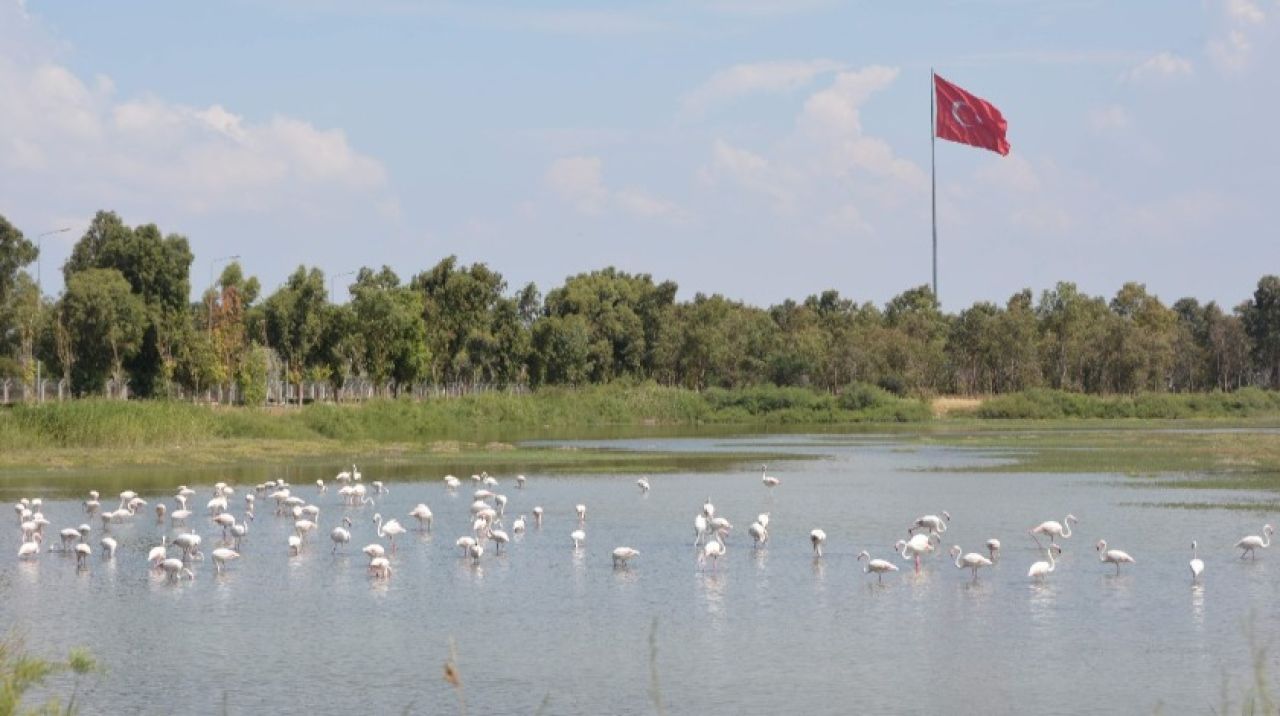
(770, 630)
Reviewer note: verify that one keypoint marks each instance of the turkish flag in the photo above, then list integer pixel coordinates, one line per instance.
(968, 119)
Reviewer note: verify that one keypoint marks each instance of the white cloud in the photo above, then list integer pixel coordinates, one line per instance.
(1231, 49)
(1110, 119)
(749, 171)
(580, 182)
(826, 177)
(746, 79)
(1162, 66)
(79, 137)
(832, 118)
(1245, 12)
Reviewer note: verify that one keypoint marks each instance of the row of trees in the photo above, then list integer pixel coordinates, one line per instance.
(125, 318)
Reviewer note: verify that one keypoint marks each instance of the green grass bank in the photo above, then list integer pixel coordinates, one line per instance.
(103, 433)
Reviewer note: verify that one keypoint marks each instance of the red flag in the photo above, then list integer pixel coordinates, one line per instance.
(967, 119)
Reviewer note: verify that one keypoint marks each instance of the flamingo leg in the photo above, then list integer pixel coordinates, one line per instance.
(917, 564)
(1034, 537)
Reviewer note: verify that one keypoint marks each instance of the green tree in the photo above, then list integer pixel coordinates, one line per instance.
(562, 351)
(388, 318)
(625, 313)
(16, 252)
(294, 320)
(107, 321)
(1262, 324)
(157, 268)
(458, 307)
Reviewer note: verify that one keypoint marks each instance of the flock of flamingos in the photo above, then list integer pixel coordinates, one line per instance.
(174, 558)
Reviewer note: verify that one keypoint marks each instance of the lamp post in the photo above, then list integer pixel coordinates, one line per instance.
(213, 263)
(333, 278)
(40, 301)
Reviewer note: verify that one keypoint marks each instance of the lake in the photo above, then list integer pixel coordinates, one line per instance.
(770, 631)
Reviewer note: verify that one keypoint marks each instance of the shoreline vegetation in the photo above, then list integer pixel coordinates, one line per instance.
(112, 433)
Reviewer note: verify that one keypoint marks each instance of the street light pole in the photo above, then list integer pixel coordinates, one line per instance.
(40, 301)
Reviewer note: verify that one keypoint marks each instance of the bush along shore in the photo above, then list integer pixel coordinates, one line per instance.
(114, 424)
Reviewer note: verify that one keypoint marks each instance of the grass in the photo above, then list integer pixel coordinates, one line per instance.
(1042, 404)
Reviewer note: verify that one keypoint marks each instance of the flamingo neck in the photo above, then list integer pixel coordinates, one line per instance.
(1066, 528)
(1266, 538)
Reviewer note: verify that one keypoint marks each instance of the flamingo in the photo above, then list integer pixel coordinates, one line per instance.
(1197, 564)
(699, 529)
(374, 551)
(221, 556)
(239, 530)
(68, 536)
(464, 543)
(993, 548)
(708, 509)
(91, 505)
(520, 482)
(158, 554)
(322, 488)
(489, 481)
(379, 488)
(423, 515)
(582, 513)
(763, 519)
(499, 538)
(518, 527)
(31, 547)
(1112, 556)
(919, 544)
(451, 482)
(537, 516)
(389, 530)
(340, 536)
(1253, 542)
(1040, 569)
(1054, 529)
(972, 561)
(931, 523)
(174, 570)
(380, 567)
(160, 510)
(295, 545)
(623, 555)
(879, 566)
(769, 480)
(643, 484)
(713, 550)
(476, 551)
(108, 547)
(817, 537)
(578, 537)
(226, 520)
(758, 533)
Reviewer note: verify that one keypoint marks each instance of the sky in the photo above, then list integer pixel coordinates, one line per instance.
(762, 149)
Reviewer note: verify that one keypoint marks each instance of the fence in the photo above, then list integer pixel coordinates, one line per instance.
(354, 390)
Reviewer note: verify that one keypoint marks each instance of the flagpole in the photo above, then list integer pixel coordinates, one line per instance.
(933, 175)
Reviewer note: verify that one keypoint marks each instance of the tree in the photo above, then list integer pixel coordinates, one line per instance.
(1262, 324)
(457, 309)
(16, 252)
(294, 321)
(107, 321)
(157, 268)
(625, 313)
(388, 318)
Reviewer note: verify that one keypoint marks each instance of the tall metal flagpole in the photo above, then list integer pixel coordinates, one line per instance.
(933, 174)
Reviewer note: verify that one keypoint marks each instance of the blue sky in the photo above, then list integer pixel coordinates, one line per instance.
(763, 149)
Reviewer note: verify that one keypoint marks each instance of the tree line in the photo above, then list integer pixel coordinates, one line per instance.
(125, 318)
